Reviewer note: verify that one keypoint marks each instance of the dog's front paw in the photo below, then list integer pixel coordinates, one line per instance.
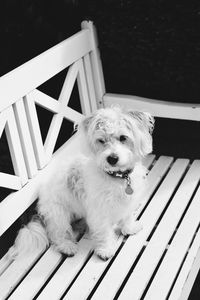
(105, 253)
(131, 228)
(67, 247)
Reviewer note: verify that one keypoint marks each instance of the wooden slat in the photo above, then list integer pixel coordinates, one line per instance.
(71, 115)
(95, 267)
(53, 105)
(75, 71)
(5, 262)
(97, 70)
(156, 246)
(90, 81)
(88, 277)
(52, 135)
(63, 100)
(41, 68)
(69, 83)
(83, 91)
(189, 271)
(15, 272)
(156, 174)
(25, 138)
(7, 180)
(157, 108)
(175, 255)
(46, 101)
(15, 146)
(154, 177)
(148, 160)
(29, 102)
(10, 181)
(37, 277)
(67, 271)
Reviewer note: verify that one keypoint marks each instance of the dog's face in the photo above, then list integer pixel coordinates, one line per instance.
(118, 139)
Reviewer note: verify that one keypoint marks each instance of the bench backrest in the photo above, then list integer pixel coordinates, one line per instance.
(18, 115)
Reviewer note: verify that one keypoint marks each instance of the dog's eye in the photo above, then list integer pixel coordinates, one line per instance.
(122, 138)
(101, 141)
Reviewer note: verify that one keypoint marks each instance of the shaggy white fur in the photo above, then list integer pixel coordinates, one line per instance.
(105, 187)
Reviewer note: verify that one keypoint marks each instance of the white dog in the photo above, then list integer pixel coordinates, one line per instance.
(104, 187)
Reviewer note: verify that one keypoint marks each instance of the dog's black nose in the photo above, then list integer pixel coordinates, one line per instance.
(112, 159)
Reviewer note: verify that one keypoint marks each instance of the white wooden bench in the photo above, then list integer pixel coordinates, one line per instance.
(161, 261)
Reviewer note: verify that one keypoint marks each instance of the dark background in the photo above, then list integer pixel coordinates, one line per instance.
(148, 48)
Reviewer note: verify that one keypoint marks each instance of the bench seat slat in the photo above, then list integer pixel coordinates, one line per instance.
(189, 271)
(134, 245)
(31, 284)
(94, 268)
(4, 263)
(15, 273)
(176, 252)
(138, 280)
(67, 271)
(88, 277)
(149, 159)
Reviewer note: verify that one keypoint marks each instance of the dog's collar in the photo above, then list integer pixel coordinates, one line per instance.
(120, 174)
(123, 175)
(128, 189)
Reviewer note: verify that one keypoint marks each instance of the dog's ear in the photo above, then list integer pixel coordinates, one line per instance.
(83, 133)
(146, 125)
(86, 122)
(144, 118)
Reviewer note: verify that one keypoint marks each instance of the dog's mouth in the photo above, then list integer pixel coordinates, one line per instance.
(119, 174)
